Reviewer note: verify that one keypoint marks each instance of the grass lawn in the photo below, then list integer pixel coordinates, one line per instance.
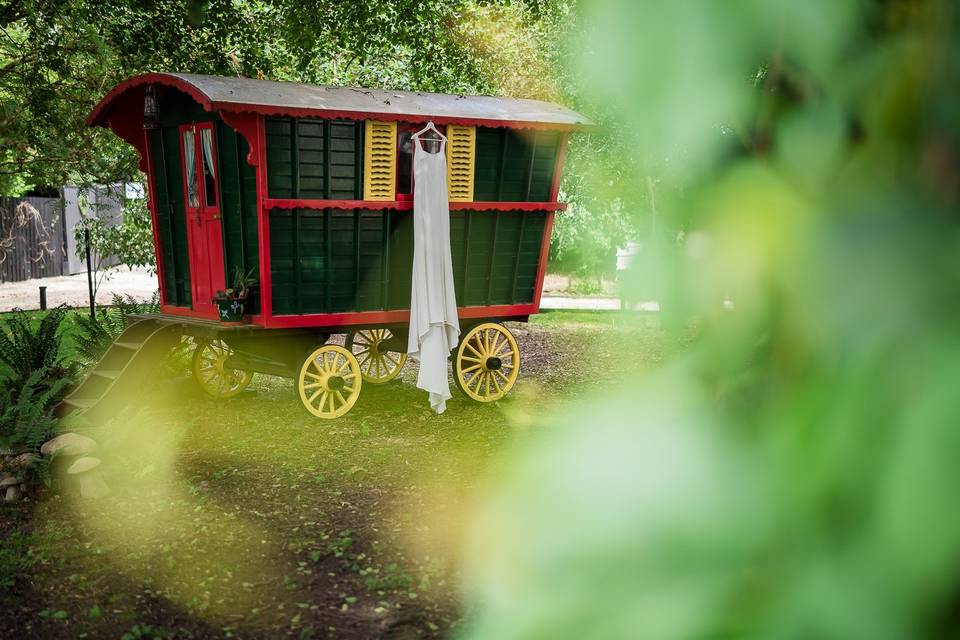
(251, 518)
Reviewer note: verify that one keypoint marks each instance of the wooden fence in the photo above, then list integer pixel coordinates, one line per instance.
(32, 238)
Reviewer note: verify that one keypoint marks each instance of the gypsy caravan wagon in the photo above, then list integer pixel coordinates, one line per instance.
(307, 191)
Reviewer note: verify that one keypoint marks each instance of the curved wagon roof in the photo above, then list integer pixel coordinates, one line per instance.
(267, 97)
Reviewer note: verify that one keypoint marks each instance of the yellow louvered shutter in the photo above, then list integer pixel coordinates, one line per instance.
(460, 154)
(380, 160)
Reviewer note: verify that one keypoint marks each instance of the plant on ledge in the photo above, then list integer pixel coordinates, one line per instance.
(232, 303)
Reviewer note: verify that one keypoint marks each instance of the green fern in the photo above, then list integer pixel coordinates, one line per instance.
(26, 415)
(27, 346)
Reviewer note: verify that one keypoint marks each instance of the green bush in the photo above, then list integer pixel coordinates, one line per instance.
(26, 415)
(28, 346)
(793, 472)
(131, 241)
(585, 242)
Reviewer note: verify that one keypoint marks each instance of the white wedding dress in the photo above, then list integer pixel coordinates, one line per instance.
(434, 327)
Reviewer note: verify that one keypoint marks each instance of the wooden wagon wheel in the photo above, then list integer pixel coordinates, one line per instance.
(377, 365)
(487, 362)
(329, 381)
(209, 370)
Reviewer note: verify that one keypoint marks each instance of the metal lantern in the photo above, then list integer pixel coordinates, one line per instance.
(151, 114)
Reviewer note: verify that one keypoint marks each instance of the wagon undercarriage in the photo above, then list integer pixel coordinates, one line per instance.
(328, 376)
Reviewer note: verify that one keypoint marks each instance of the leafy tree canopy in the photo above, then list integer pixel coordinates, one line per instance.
(59, 57)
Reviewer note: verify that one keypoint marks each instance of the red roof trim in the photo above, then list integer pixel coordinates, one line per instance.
(96, 117)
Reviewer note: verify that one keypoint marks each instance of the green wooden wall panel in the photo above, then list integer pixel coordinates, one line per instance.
(334, 260)
(171, 214)
(322, 161)
(162, 206)
(400, 250)
(238, 205)
(514, 165)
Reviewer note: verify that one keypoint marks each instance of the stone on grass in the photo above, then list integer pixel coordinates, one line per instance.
(82, 465)
(9, 480)
(12, 494)
(23, 461)
(93, 486)
(69, 444)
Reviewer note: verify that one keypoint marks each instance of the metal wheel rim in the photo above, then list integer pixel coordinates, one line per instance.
(317, 373)
(475, 378)
(376, 367)
(210, 373)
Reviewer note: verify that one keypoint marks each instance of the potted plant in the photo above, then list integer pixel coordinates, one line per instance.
(232, 303)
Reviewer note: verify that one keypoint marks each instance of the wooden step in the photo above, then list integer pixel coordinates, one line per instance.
(110, 374)
(133, 346)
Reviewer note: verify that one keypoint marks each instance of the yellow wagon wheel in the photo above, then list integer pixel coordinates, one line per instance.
(377, 365)
(329, 382)
(211, 373)
(487, 362)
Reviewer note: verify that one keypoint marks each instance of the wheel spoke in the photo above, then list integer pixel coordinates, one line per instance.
(396, 363)
(330, 398)
(500, 373)
(496, 341)
(495, 382)
(314, 396)
(469, 359)
(486, 379)
(475, 352)
(470, 368)
(312, 385)
(340, 397)
(476, 378)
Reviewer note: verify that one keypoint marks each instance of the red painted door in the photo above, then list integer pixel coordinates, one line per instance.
(204, 233)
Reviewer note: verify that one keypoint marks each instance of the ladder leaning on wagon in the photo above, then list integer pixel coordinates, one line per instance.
(309, 189)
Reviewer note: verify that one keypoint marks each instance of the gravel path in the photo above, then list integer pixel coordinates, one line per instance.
(72, 290)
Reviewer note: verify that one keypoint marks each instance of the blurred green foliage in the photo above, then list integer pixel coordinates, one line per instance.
(792, 473)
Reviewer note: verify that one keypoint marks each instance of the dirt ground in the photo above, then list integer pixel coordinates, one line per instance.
(248, 518)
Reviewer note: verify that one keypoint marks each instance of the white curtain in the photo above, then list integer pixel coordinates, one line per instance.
(189, 162)
(206, 144)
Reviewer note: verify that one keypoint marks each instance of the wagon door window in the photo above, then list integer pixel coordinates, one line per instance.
(190, 167)
(209, 173)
